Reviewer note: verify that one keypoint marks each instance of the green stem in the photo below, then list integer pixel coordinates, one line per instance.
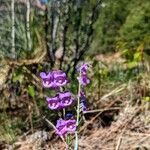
(78, 105)
(63, 114)
(76, 141)
(78, 115)
(68, 140)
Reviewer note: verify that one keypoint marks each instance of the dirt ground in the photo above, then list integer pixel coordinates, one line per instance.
(112, 128)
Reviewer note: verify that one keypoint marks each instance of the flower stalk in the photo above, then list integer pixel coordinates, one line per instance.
(78, 102)
(78, 114)
(66, 124)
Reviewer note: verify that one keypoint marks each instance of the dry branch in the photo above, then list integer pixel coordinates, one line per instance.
(13, 28)
(28, 25)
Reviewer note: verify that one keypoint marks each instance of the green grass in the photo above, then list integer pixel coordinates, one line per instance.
(10, 127)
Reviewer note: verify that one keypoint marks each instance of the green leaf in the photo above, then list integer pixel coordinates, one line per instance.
(146, 99)
(137, 56)
(31, 91)
(18, 77)
(132, 64)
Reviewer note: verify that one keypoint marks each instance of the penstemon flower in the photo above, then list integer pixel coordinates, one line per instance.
(83, 68)
(83, 104)
(71, 126)
(47, 79)
(63, 99)
(61, 128)
(83, 79)
(60, 101)
(54, 79)
(60, 78)
(53, 102)
(69, 116)
(64, 127)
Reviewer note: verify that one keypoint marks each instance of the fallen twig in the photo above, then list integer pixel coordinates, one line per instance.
(101, 110)
(92, 120)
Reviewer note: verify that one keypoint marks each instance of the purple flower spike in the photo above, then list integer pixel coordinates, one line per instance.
(83, 80)
(60, 78)
(65, 99)
(47, 79)
(83, 104)
(61, 128)
(82, 93)
(53, 103)
(83, 68)
(71, 125)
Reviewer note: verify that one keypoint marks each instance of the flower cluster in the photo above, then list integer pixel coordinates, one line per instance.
(57, 79)
(83, 80)
(64, 127)
(61, 100)
(54, 79)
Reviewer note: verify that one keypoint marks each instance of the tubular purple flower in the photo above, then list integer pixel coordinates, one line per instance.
(65, 127)
(60, 78)
(53, 103)
(47, 79)
(61, 128)
(65, 99)
(82, 93)
(68, 116)
(83, 79)
(83, 107)
(83, 68)
(83, 104)
(71, 125)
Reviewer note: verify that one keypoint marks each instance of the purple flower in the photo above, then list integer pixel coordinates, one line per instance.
(54, 79)
(82, 93)
(83, 104)
(83, 68)
(61, 128)
(71, 125)
(53, 103)
(47, 79)
(61, 100)
(83, 79)
(69, 116)
(65, 99)
(60, 78)
(65, 126)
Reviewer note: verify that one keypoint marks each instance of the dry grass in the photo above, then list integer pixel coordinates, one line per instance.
(128, 129)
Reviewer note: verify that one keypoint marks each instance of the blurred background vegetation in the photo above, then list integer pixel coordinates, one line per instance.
(113, 35)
